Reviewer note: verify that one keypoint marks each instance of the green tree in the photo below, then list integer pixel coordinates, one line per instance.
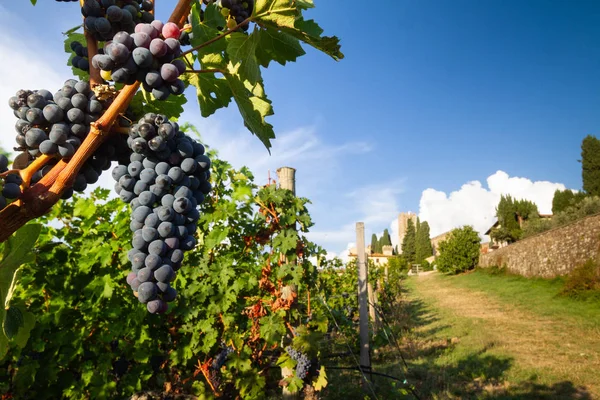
(460, 251)
(511, 214)
(561, 200)
(409, 243)
(423, 242)
(590, 165)
(374, 243)
(385, 240)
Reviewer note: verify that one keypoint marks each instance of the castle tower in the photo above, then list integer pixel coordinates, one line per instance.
(403, 219)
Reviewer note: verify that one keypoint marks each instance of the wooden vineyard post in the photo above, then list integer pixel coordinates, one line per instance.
(372, 303)
(363, 301)
(287, 180)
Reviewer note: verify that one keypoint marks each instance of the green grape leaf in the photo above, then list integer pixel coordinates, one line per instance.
(33, 2)
(295, 384)
(13, 320)
(276, 46)
(203, 32)
(241, 49)
(213, 17)
(272, 328)
(285, 16)
(253, 105)
(144, 102)
(73, 30)
(213, 92)
(17, 251)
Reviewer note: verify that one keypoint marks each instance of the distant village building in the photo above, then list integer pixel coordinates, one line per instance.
(377, 258)
(495, 244)
(435, 244)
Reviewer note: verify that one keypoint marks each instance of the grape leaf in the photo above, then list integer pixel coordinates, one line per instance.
(13, 320)
(73, 30)
(144, 102)
(321, 381)
(276, 46)
(203, 32)
(285, 16)
(33, 2)
(241, 49)
(253, 105)
(17, 251)
(212, 92)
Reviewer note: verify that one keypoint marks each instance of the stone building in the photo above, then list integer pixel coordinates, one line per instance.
(403, 219)
(378, 258)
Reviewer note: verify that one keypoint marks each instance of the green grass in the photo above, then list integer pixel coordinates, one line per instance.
(467, 348)
(540, 296)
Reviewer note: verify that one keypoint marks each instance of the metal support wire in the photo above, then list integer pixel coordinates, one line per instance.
(358, 366)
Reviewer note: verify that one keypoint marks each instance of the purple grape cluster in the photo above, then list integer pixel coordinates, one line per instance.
(149, 56)
(302, 362)
(165, 179)
(104, 18)
(239, 10)
(220, 359)
(55, 124)
(9, 186)
(80, 60)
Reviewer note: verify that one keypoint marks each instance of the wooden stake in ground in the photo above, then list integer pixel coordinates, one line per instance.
(363, 301)
(287, 180)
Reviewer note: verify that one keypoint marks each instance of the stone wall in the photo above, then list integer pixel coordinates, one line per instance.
(549, 254)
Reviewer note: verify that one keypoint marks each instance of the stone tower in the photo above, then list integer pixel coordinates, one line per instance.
(403, 219)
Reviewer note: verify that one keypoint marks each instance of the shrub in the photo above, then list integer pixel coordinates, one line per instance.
(460, 251)
(580, 207)
(426, 265)
(583, 280)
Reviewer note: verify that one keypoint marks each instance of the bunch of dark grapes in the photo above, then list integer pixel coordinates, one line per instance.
(55, 124)
(302, 362)
(239, 10)
(219, 361)
(113, 149)
(104, 18)
(9, 185)
(165, 180)
(236, 11)
(148, 56)
(80, 60)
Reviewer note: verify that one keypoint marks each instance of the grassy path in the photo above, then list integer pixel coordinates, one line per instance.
(470, 337)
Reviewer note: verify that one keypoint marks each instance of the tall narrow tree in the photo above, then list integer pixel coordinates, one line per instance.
(374, 243)
(423, 242)
(590, 165)
(385, 240)
(409, 242)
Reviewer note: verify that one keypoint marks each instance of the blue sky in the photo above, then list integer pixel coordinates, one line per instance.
(432, 99)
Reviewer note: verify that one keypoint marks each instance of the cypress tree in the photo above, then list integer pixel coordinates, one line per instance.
(423, 242)
(590, 165)
(385, 239)
(409, 242)
(374, 243)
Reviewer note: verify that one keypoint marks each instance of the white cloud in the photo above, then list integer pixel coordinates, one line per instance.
(475, 205)
(301, 148)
